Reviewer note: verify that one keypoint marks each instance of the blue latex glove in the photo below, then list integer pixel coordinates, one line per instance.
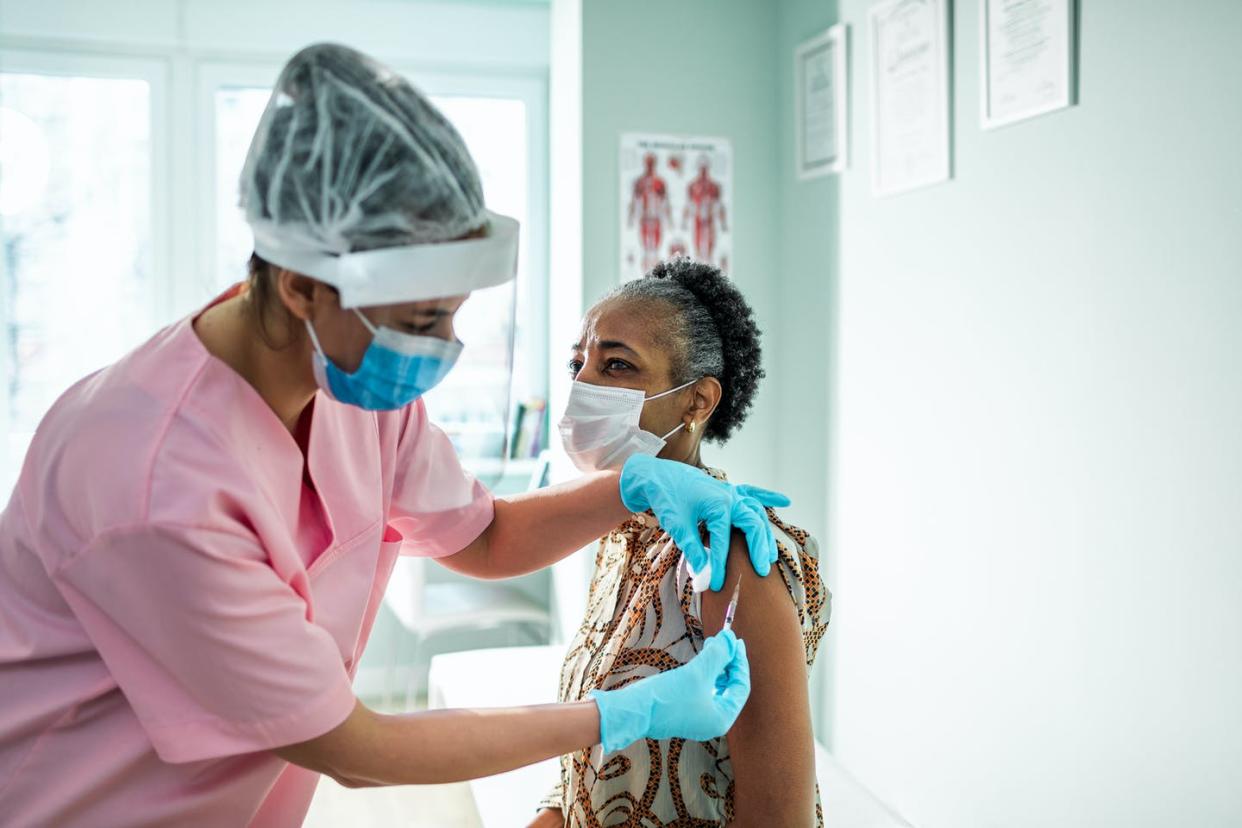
(699, 700)
(682, 497)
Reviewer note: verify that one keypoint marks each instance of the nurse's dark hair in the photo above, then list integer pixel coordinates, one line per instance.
(264, 305)
(711, 332)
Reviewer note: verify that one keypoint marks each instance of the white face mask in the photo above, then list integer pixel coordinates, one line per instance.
(600, 427)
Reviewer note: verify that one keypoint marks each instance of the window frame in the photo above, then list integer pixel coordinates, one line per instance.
(154, 71)
(182, 78)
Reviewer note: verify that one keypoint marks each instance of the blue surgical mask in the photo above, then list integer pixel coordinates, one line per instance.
(396, 369)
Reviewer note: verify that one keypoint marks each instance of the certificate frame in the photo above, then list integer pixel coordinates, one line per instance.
(1066, 18)
(828, 49)
(885, 182)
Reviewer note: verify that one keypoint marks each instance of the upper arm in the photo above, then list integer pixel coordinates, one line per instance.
(435, 503)
(771, 745)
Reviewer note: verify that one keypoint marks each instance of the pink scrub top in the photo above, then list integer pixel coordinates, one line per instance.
(160, 627)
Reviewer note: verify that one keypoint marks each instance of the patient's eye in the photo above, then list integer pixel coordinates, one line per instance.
(574, 366)
(617, 365)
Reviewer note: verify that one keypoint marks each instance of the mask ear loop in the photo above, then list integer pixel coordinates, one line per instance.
(670, 391)
(310, 329)
(366, 322)
(680, 425)
(315, 339)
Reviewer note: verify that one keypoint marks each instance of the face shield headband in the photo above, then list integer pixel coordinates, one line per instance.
(392, 275)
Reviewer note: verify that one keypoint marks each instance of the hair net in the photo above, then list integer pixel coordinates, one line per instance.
(350, 168)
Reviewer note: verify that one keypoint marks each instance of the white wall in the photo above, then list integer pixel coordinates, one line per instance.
(803, 356)
(1038, 481)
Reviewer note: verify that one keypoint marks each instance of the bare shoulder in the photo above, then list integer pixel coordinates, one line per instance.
(765, 606)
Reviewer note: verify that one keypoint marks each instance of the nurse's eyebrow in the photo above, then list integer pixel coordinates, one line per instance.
(436, 312)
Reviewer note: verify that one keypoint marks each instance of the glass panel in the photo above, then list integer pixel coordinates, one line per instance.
(495, 131)
(237, 115)
(76, 287)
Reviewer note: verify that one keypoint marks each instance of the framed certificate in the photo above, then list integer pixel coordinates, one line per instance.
(820, 97)
(1027, 59)
(909, 49)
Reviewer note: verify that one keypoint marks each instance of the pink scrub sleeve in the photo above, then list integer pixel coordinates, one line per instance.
(438, 506)
(213, 651)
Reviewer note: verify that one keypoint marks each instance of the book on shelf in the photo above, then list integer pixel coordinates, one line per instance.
(528, 428)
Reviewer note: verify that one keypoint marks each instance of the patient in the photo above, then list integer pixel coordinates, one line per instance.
(686, 323)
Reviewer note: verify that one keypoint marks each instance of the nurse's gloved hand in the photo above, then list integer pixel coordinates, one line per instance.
(699, 700)
(682, 497)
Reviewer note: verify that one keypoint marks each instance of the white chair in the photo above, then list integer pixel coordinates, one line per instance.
(429, 609)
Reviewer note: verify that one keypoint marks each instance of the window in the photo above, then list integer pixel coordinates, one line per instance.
(76, 283)
(237, 114)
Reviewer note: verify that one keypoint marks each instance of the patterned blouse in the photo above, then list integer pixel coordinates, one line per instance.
(642, 618)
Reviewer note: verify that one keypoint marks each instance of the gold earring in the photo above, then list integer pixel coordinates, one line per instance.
(690, 428)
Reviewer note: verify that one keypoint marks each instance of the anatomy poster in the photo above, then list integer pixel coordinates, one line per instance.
(676, 199)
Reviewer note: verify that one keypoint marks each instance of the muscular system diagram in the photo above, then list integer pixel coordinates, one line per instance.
(676, 200)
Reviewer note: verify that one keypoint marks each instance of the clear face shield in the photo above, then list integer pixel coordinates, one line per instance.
(474, 403)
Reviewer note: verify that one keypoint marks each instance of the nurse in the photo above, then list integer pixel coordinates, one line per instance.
(201, 534)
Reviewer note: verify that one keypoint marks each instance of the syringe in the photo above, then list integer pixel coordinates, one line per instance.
(731, 609)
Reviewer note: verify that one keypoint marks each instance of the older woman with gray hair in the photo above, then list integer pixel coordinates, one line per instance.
(681, 349)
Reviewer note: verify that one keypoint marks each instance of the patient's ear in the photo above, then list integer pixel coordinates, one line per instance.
(707, 392)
